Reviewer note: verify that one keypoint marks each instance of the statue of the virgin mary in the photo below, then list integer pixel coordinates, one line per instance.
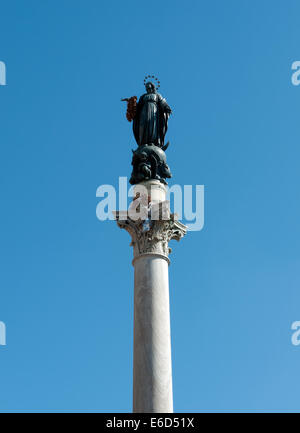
(150, 116)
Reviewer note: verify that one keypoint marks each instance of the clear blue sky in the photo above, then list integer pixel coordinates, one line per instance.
(66, 279)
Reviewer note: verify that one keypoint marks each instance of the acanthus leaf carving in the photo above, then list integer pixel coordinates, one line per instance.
(153, 237)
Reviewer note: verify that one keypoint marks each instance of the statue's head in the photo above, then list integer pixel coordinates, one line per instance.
(150, 87)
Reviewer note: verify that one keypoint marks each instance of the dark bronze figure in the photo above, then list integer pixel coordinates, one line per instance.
(150, 117)
(149, 162)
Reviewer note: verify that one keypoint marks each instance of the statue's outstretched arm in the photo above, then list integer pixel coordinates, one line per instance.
(131, 107)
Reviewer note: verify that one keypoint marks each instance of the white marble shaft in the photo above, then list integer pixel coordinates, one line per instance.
(152, 366)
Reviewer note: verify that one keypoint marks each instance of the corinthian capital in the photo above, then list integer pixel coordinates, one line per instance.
(151, 236)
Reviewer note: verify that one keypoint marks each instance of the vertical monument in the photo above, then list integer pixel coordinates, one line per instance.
(151, 227)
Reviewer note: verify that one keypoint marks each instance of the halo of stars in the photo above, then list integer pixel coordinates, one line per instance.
(152, 77)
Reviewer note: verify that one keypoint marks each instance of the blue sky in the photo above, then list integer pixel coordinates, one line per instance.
(66, 281)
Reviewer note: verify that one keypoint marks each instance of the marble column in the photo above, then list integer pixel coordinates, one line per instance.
(152, 366)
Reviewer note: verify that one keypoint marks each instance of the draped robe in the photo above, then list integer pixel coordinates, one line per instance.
(150, 123)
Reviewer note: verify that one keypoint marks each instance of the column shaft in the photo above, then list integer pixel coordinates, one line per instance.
(152, 368)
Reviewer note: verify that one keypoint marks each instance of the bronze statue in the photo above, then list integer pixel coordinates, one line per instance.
(150, 117)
